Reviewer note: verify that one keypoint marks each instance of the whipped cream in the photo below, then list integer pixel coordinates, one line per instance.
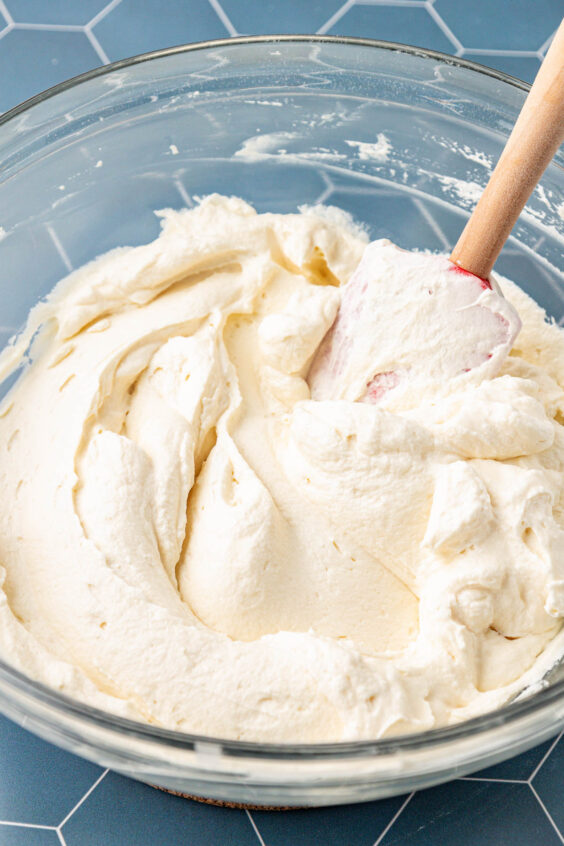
(189, 539)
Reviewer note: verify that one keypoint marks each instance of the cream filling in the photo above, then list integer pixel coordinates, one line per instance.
(186, 537)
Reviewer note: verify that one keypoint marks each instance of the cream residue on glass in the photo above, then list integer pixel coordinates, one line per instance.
(187, 538)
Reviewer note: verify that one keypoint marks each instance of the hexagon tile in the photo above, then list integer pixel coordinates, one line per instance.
(51, 798)
(67, 37)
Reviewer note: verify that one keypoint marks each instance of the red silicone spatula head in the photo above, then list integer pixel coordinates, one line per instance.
(411, 321)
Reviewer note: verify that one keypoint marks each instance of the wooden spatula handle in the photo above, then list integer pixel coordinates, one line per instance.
(536, 136)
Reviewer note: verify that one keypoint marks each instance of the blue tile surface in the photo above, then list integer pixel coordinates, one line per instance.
(522, 67)
(392, 217)
(518, 25)
(32, 774)
(31, 243)
(357, 825)
(406, 24)
(548, 784)
(21, 836)
(289, 16)
(137, 26)
(127, 813)
(473, 813)
(520, 768)
(56, 798)
(56, 56)
(265, 180)
(69, 12)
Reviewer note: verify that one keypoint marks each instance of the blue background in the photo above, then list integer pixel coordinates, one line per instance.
(48, 797)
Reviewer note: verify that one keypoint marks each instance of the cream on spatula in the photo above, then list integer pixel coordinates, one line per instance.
(410, 319)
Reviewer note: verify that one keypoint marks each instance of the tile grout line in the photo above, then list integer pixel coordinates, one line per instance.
(409, 4)
(43, 27)
(96, 45)
(109, 7)
(335, 17)
(485, 51)
(426, 214)
(545, 757)
(90, 790)
(180, 187)
(178, 184)
(546, 44)
(528, 251)
(325, 194)
(551, 282)
(8, 823)
(223, 17)
(5, 12)
(327, 191)
(494, 780)
(394, 818)
(63, 255)
(539, 242)
(444, 27)
(254, 825)
(549, 817)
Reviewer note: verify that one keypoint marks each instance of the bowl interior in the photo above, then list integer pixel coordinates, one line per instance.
(401, 139)
(403, 142)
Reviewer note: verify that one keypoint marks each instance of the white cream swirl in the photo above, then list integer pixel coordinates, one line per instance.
(186, 537)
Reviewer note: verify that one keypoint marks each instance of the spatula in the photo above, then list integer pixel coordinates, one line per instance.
(410, 319)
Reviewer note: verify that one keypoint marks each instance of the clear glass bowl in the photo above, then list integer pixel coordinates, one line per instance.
(280, 122)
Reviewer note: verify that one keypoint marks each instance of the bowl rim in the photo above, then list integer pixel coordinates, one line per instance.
(139, 58)
(508, 714)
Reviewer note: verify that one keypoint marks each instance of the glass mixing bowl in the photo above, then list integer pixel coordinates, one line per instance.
(400, 137)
